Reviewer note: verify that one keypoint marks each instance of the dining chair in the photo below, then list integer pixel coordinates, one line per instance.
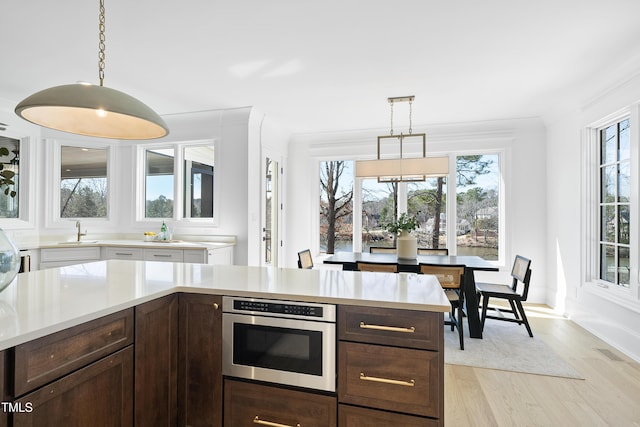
(520, 274)
(433, 251)
(304, 259)
(382, 250)
(380, 267)
(451, 278)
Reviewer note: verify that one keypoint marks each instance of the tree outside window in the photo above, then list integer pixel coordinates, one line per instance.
(336, 206)
(83, 182)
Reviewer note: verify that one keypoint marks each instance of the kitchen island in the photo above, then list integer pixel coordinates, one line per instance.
(144, 305)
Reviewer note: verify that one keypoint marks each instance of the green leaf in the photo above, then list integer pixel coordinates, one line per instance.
(13, 194)
(4, 151)
(7, 174)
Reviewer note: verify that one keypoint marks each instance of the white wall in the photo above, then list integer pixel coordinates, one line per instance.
(521, 141)
(604, 96)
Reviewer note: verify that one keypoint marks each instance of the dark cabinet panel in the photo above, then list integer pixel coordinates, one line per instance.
(156, 362)
(45, 359)
(353, 416)
(249, 404)
(200, 360)
(100, 394)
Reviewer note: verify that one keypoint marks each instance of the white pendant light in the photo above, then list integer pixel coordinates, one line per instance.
(91, 110)
(402, 169)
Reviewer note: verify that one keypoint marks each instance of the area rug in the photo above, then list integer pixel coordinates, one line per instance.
(508, 347)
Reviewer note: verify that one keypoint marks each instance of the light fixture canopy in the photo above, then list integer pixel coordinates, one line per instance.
(93, 110)
(402, 169)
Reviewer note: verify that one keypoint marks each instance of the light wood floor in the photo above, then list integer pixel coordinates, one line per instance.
(608, 396)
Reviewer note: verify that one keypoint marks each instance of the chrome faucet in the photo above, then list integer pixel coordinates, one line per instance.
(79, 233)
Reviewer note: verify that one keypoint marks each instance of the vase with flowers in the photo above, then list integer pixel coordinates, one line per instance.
(406, 243)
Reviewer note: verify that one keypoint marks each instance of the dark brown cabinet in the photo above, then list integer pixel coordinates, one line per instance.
(251, 404)
(200, 360)
(156, 362)
(390, 360)
(100, 394)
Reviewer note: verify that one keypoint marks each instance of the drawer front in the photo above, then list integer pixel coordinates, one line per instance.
(124, 253)
(353, 416)
(168, 255)
(46, 359)
(251, 405)
(403, 328)
(70, 254)
(396, 379)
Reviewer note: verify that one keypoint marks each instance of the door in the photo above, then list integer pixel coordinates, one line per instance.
(270, 212)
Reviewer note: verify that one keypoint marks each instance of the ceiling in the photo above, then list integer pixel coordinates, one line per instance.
(325, 66)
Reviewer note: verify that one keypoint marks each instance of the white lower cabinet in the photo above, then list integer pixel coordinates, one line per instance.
(58, 257)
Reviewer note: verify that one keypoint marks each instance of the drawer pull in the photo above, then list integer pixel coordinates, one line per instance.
(161, 256)
(409, 383)
(408, 330)
(257, 420)
(215, 306)
(124, 253)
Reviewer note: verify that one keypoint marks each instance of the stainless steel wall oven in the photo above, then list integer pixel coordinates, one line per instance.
(281, 342)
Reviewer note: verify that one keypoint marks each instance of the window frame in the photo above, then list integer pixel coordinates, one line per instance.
(451, 208)
(627, 297)
(179, 196)
(54, 159)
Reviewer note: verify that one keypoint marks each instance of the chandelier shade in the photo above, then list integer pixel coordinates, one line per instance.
(92, 110)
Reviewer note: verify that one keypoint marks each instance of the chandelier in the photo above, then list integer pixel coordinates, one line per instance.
(400, 168)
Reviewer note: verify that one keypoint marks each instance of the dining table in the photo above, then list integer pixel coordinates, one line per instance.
(471, 263)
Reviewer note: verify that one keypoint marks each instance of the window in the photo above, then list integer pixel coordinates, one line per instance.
(9, 177)
(198, 182)
(336, 206)
(478, 206)
(159, 181)
(379, 207)
(83, 182)
(614, 202)
(427, 202)
(466, 218)
(178, 181)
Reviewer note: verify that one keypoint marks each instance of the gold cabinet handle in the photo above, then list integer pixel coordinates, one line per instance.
(409, 330)
(409, 383)
(215, 306)
(257, 420)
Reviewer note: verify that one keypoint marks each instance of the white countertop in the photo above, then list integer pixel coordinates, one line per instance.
(46, 301)
(173, 244)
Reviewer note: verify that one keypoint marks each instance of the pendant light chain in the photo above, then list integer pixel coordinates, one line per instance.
(101, 44)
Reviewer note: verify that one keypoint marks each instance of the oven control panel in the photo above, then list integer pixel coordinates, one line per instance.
(324, 312)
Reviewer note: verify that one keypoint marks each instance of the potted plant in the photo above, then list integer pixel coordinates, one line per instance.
(406, 243)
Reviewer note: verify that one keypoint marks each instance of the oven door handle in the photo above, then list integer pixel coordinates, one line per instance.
(257, 420)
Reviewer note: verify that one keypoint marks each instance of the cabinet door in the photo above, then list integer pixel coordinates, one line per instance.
(200, 356)
(249, 404)
(156, 362)
(354, 416)
(100, 394)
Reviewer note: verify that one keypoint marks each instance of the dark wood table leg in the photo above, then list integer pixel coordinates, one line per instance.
(471, 300)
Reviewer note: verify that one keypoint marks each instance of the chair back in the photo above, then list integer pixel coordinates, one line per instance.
(521, 272)
(304, 259)
(433, 251)
(382, 250)
(386, 268)
(449, 276)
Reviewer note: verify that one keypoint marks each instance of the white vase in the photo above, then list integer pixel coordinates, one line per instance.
(407, 245)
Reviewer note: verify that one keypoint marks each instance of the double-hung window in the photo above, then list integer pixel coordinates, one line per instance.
(614, 203)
